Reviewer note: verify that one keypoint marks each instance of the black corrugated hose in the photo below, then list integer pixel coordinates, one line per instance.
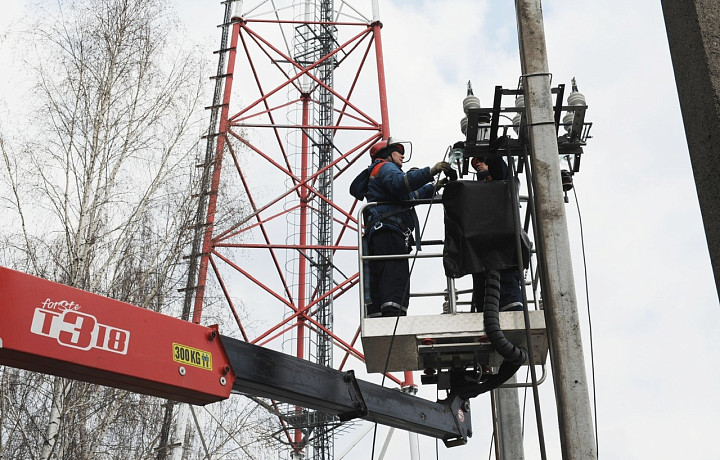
(514, 356)
(491, 318)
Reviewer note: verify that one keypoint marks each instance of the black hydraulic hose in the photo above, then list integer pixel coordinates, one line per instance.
(491, 319)
(513, 356)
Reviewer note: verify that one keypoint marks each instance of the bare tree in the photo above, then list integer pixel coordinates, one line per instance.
(102, 199)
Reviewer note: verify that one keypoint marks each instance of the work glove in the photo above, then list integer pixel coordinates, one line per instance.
(441, 183)
(442, 166)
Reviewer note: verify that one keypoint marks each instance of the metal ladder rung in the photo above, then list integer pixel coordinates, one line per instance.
(227, 24)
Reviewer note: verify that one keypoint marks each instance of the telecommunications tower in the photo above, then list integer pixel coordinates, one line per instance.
(299, 100)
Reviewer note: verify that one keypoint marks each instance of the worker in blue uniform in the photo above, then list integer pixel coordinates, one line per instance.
(389, 226)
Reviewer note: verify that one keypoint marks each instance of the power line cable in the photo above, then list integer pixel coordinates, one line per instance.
(587, 301)
(524, 406)
(397, 318)
(437, 443)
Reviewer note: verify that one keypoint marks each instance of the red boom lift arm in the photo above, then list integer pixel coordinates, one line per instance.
(60, 330)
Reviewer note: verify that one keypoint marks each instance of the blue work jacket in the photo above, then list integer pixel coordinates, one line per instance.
(388, 183)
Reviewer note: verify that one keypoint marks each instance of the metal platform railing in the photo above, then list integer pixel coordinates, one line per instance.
(445, 339)
(450, 294)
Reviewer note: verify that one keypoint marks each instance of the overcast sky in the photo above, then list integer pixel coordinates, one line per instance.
(654, 307)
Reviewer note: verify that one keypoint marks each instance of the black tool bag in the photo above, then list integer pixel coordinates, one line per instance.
(479, 228)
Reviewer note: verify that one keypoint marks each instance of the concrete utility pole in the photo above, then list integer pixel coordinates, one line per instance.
(558, 288)
(693, 29)
(510, 434)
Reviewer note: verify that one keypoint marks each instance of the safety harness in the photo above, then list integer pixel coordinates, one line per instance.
(391, 218)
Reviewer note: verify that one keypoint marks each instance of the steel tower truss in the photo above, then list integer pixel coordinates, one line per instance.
(309, 84)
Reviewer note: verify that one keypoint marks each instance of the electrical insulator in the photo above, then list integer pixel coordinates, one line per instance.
(519, 102)
(574, 98)
(567, 121)
(567, 183)
(567, 180)
(516, 122)
(471, 101)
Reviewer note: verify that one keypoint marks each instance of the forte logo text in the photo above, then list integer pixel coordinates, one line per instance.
(76, 329)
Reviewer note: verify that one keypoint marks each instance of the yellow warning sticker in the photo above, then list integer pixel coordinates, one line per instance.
(192, 356)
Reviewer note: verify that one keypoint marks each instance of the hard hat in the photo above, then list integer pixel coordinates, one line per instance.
(389, 143)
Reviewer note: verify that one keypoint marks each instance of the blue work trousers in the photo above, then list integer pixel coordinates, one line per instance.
(510, 290)
(389, 279)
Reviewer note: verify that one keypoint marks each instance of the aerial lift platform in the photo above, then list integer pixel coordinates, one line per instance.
(450, 339)
(445, 341)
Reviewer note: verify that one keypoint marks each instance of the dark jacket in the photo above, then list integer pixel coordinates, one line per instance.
(386, 182)
(497, 169)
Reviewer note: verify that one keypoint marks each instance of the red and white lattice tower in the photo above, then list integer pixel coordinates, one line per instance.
(300, 98)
